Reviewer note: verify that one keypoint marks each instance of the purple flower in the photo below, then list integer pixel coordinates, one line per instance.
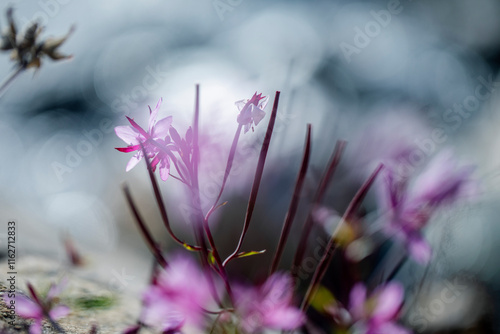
(251, 111)
(268, 306)
(31, 309)
(411, 207)
(377, 313)
(156, 141)
(178, 297)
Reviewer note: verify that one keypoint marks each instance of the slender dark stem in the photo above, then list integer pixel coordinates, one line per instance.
(258, 177)
(10, 79)
(161, 205)
(332, 245)
(318, 197)
(229, 165)
(292, 210)
(153, 246)
(201, 223)
(38, 301)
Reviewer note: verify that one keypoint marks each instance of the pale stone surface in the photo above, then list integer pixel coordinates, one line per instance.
(41, 272)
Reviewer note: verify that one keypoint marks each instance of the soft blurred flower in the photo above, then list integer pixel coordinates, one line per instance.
(251, 111)
(377, 313)
(30, 309)
(156, 142)
(411, 207)
(178, 297)
(268, 306)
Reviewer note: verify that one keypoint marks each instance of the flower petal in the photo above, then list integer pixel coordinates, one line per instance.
(285, 318)
(153, 114)
(128, 134)
(25, 307)
(357, 299)
(389, 300)
(59, 312)
(257, 114)
(161, 128)
(134, 161)
(419, 249)
(36, 327)
(128, 148)
(137, 127)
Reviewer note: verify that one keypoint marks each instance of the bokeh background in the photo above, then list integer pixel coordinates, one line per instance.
(375, 73)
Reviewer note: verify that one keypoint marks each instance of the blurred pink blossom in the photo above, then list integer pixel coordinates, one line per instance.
(411, 207)
(377, 313)
(178, 297)
(268, 306)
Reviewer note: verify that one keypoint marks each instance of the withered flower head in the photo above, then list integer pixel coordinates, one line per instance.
(27, 48)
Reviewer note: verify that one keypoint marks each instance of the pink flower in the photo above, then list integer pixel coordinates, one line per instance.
(377, 313)
(268, 306)
(156, 141)
(410, 208)
(251, 111)
(30, 309)
(178, 297)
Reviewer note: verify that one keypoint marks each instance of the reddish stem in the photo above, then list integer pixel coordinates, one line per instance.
(258, 177)
(320, 193)
(332, 245)
(161, 205)
(292, 210)
(153, 246)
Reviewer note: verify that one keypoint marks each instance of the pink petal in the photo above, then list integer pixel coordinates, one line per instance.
(36, 327)
(164, 171)
(59, 312)
(128, 149)
(161, 128)
(26, 308)
(287, 318)
(56, 289)
(357, 300)
(134, 161)
(137, 127)
(128, 134)
(153, 114)
(240, 104)
(257, 114)
(389, 300)
(420, 250)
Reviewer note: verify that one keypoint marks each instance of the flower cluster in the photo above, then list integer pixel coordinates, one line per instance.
(184, 297)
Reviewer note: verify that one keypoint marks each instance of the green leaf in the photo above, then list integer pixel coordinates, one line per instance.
(211, 258)
(322, 299)
(188, 247)
(245, 254)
